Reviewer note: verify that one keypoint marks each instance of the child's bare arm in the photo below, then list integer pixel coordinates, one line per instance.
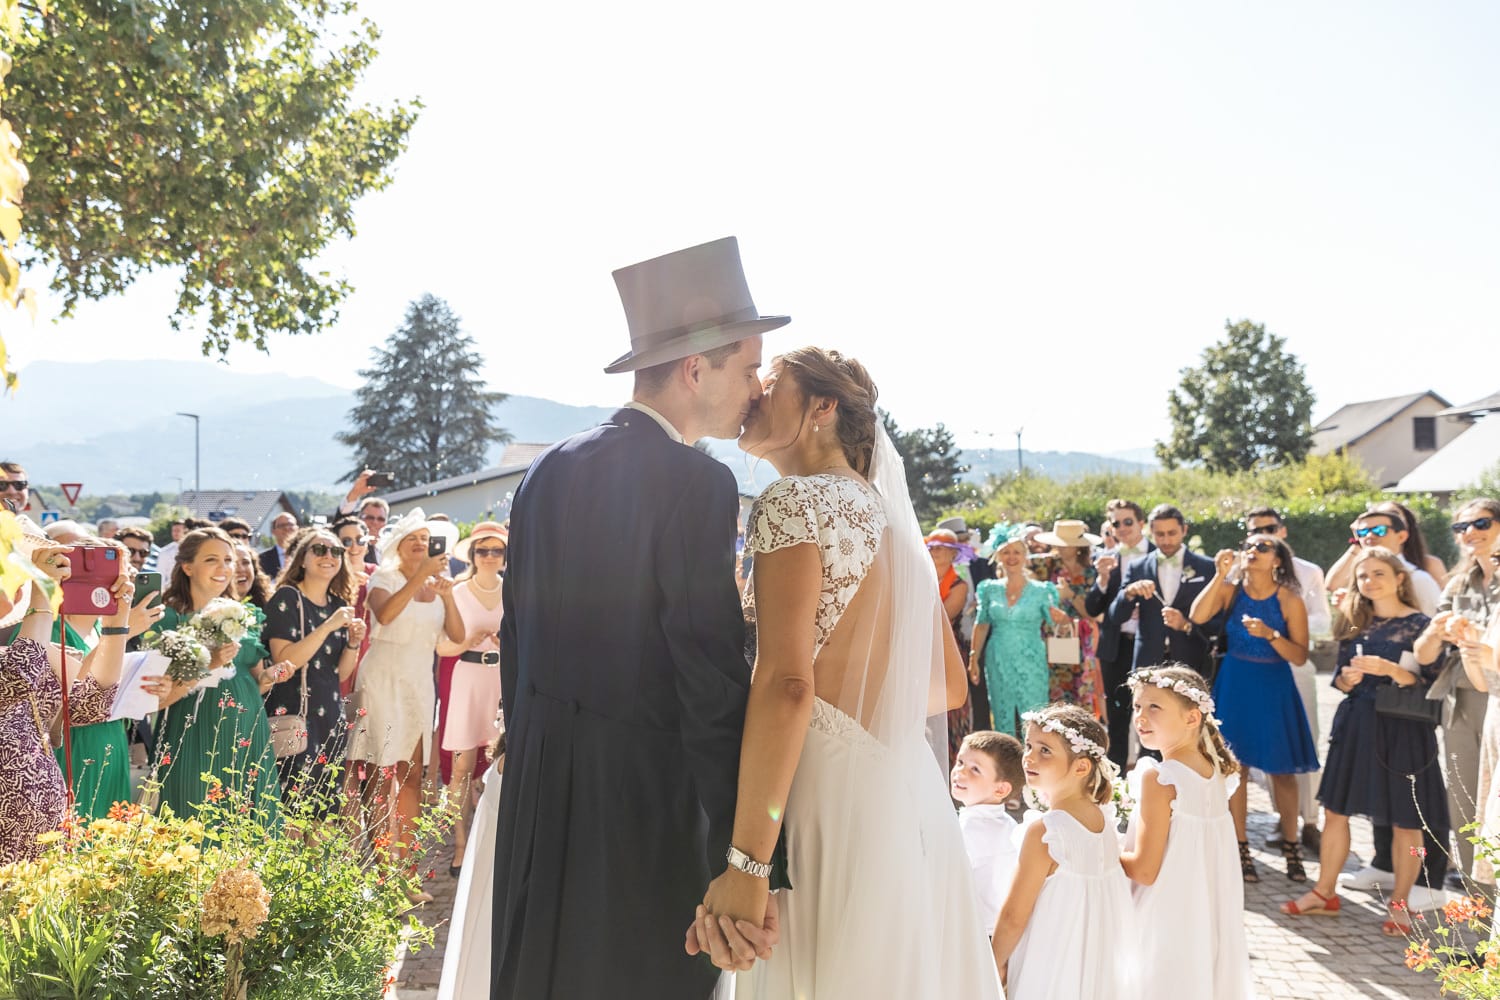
(1143, 864)
(1032, 869)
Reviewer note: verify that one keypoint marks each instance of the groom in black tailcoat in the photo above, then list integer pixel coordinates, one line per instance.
(624, 685)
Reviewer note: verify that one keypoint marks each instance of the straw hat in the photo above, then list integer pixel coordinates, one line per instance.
(1069, 534)
(484, 529)
(413, 521)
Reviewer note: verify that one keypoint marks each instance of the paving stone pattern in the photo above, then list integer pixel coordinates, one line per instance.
(1317, 958)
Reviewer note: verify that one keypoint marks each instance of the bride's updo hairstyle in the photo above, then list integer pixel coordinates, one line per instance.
(831, 375)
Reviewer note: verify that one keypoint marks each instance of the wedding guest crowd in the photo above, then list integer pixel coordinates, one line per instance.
(367, 658)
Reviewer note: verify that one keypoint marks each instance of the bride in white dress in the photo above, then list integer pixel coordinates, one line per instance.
(853, 657)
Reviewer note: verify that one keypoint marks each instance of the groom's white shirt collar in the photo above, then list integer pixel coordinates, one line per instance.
(666, 424)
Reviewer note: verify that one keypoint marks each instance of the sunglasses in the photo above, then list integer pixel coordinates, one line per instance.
(1378, 530)
(143, 553)
(19, 485)
(367, 518)
(322, 549)
(1124, 522)
(1262, 529)
(349, 543)
(240, 536)
(1479, 524)
(1261, 547)
(489, 553)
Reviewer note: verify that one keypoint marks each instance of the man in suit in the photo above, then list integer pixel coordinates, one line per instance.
(1158, 590)
(1117, 639)
(624, 683)
(283, 528)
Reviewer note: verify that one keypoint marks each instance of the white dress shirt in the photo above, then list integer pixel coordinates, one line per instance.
(1127, 555)
(1315, 596)
(989, 840)
(666, 425)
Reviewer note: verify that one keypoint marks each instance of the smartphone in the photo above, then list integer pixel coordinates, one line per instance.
(146, 583)
(437, 545)
(380, 480)
(87, 589)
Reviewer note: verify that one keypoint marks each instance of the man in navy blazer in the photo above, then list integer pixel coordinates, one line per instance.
(1161, 586)
(1116, 648)
(624, 684)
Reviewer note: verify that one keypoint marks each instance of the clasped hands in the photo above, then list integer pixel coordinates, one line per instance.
(737, 922)
(1375, 666)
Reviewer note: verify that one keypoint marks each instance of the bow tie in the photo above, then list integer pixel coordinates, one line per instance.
(1173, 560)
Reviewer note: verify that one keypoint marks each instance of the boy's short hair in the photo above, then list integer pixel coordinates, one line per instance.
(1004, 750)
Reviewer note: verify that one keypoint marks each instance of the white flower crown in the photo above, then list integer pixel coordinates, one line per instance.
(1077, 742)
(1193, 694)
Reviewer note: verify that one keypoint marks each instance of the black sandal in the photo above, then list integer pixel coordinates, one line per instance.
(1291, 853)
(1247, 863)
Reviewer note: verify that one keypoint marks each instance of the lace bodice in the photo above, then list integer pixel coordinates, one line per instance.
(841, 516)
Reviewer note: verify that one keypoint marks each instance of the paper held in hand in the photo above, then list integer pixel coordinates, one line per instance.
(131, 699)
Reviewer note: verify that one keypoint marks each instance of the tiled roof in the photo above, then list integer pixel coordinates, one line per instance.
(254, 506)
(1488, 404)
(1353, 421)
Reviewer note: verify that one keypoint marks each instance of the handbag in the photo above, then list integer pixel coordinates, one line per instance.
(1064, 648)
(1410, 704)
(289, 732)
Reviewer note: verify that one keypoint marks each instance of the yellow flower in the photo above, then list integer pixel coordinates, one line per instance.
(50, 837)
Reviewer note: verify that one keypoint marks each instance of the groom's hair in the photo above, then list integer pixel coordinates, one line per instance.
(1004, 751)
(654, 378)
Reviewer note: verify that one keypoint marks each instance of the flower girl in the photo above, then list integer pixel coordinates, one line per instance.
(1066, 926)
(1181, 850)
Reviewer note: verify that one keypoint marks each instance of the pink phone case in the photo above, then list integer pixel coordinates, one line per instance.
(87, 590)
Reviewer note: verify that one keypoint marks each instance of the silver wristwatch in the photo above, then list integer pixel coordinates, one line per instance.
(739, 859)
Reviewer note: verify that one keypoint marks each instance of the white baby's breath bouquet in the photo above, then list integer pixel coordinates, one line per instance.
(186, 655)
(223, 621)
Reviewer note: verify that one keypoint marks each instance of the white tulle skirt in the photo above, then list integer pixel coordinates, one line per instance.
(882, 901)
(466, 960)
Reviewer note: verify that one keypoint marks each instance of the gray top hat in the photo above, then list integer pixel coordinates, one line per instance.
(685, 303)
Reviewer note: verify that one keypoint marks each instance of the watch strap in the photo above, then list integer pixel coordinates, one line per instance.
(115, 630)
(742, 861)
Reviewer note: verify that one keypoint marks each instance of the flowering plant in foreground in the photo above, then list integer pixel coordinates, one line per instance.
(223, 904)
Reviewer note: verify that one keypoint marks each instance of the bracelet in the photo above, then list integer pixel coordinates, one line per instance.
(36, 611)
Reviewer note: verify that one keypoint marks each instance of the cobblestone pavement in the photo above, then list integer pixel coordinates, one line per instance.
(1318, 958)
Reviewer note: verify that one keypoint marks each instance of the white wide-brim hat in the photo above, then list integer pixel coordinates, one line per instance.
(414, 520)
(688, 302)
(1068, 535)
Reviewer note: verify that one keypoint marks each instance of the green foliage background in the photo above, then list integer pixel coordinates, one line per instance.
(1318, 497)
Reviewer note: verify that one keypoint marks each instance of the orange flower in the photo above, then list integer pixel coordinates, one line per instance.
(1418, 956)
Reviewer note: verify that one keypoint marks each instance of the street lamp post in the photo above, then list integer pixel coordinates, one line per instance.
(1020, 462)
(197, 482)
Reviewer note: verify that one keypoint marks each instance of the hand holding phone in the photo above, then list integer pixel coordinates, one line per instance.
(436, 545)
(380, 480)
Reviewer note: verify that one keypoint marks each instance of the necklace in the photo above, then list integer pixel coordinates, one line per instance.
(474, 583)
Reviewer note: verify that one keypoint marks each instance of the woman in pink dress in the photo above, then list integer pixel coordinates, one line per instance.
(473, 702)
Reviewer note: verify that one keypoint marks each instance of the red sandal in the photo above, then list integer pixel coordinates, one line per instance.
(1329, 906)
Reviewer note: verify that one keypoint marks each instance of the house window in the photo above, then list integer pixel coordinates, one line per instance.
(1424, 433)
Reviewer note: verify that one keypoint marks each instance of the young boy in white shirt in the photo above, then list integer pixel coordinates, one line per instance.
(985, 773)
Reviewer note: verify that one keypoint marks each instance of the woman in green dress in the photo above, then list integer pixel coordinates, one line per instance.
(1010, 634)
(220, 731)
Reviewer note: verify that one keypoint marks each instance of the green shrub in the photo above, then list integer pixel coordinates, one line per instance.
(1318, 499)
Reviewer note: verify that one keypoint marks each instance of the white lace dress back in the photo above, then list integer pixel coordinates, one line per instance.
(883, 901)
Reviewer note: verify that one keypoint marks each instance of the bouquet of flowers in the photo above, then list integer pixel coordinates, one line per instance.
(223, 621)
(186, 655)
(1124, 802)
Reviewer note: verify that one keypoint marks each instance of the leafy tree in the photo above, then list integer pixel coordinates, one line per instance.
(218, 138)
(423, 412)
(1247, 404)
(932, 465)
(12, 183)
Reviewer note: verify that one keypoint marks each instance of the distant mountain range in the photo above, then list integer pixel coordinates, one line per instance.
(112, 426)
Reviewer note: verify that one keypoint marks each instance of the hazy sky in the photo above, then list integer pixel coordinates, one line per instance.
(1015, 214)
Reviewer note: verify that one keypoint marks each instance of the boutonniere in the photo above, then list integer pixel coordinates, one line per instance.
(1188, 575)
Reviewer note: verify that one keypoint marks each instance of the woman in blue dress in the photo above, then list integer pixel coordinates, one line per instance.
(1261, 714)
(1009, 636)
(1379, 766)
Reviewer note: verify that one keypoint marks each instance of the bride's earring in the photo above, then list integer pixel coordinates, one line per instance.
(816, 428)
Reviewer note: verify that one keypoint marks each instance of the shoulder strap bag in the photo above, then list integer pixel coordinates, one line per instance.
(289, 732)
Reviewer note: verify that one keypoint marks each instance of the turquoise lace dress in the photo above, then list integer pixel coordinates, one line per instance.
(1015, 654)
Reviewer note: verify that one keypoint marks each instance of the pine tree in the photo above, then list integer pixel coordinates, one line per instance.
(933, 467)
(423, 413)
